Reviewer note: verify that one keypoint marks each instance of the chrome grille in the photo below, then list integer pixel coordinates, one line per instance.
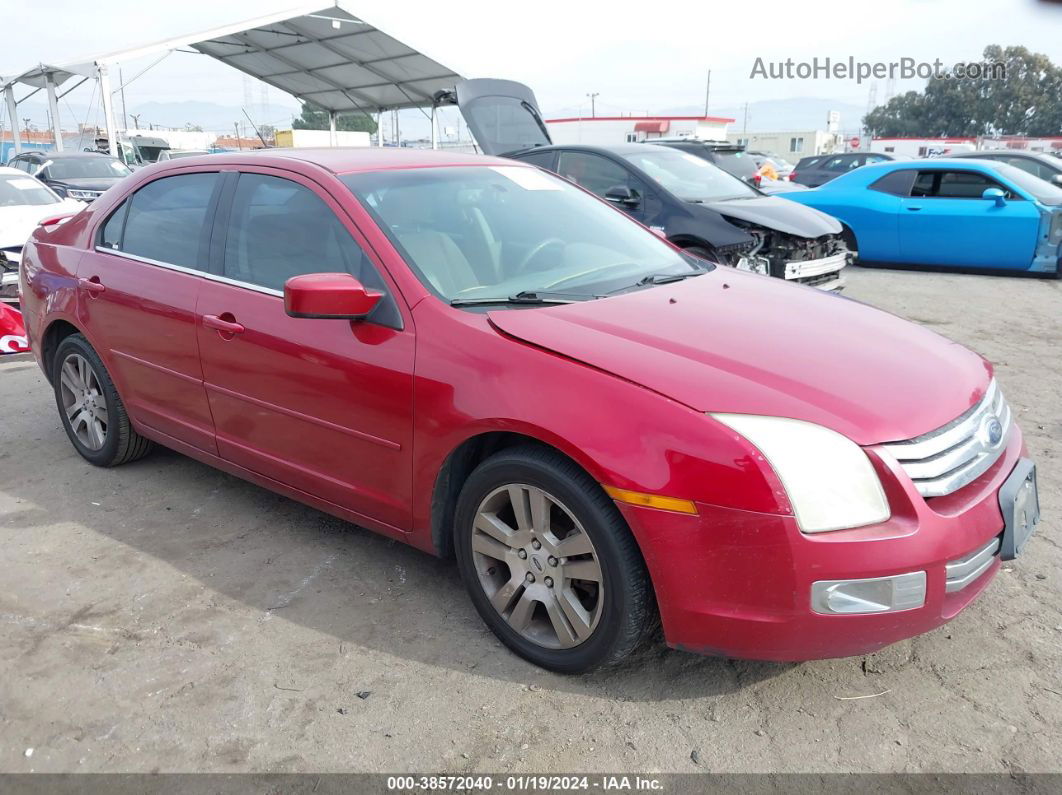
(943, 461)
(962, 572)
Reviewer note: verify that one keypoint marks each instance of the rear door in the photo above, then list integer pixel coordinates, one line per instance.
(502, 115)
(137, 295)
(946, 221)
(323, 406)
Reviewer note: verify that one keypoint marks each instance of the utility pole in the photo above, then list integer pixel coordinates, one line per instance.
(745, 124)
(125, 114)
(707, 92)
(593, 106)
(136, 120)
(239, 143)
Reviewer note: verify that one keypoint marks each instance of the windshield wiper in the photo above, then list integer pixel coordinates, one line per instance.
(660, 278)
(526, 297)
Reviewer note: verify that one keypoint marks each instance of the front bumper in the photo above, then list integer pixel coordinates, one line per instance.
(739, 584)
(823, 273)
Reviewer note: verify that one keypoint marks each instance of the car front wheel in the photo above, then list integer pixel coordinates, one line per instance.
(549, 562)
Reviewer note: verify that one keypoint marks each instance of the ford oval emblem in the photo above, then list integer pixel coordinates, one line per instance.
(992, 430)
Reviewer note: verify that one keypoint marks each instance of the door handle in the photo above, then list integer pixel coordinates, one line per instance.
(914, 209)
(91, 286)
(222, 325)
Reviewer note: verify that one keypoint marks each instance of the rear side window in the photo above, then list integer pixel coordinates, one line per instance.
(898, 183)
(166, 219)
(809, 162)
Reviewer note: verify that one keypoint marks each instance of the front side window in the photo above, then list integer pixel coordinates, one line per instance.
(490, 232)
(279, 229)
(19, 190)
(166, 220)
(956, 185)
(595, 173)
(690, 177)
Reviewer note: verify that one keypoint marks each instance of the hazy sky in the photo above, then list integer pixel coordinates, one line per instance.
(639, 56)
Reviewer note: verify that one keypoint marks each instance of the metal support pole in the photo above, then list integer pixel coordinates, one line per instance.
(332, 128)
(108, 110)
(434, 130)
(379, 128)
(12, 113)
(53, 110)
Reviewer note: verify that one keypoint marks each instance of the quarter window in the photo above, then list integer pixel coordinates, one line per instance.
(111, 235)
(166, 219)
(897, 183)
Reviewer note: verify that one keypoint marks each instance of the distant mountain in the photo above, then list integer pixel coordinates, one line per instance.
(210, 116)
(781, 115)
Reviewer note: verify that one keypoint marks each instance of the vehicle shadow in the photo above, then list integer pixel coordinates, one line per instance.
(289, 562)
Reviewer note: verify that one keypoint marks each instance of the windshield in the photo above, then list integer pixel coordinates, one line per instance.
(689, 177)
(20, 191)
(1039, 189)
(499, 231)
(86, 168)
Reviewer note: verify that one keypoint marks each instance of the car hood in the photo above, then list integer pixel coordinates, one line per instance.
(18, 223)
(730, 341)
(774, 213)
(87, 183)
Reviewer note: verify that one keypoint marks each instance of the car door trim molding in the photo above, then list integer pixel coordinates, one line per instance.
(191, 271)
(298, 415)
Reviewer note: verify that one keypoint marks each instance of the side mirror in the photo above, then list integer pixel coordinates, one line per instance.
(996, 195)
(621, 194)
(337, 296)
(1057, 179)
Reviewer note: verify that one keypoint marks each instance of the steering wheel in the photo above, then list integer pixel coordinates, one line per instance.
(536, 250)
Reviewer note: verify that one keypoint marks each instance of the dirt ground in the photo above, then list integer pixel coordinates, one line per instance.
(165, 616)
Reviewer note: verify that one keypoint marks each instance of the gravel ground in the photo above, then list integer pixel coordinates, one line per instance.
(165, 616)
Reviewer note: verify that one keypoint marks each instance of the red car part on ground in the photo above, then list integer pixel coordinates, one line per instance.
(12, 331)
(793, 475)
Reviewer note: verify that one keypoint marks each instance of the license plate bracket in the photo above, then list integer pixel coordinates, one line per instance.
(1020, 503)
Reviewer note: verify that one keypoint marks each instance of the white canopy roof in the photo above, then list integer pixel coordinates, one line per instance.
(327, 57)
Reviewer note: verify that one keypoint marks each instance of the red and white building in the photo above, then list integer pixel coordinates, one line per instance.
(606, 130)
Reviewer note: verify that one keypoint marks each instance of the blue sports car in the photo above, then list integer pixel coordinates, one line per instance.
(955, 213)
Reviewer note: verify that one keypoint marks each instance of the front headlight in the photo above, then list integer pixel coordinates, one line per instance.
(81, 194)
(829, 479)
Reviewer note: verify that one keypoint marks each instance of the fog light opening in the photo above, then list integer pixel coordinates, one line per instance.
(876, 595)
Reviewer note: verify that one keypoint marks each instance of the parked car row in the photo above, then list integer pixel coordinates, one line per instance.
(675, 188)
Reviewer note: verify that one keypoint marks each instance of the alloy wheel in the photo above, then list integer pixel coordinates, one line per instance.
(537, 566)
(84, 402)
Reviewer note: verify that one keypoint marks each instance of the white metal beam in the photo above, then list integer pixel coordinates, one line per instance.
(108, 110)
(53, 110)
(12, 112)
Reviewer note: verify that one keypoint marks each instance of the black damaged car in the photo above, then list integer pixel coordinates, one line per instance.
(693, 203)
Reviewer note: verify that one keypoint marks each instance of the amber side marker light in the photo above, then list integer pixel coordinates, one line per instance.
(650, 500)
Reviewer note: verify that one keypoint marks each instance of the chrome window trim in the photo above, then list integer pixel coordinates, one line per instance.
(192, 272)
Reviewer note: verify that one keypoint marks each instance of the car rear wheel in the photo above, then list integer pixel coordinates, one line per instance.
(549, 563)
(93, 414)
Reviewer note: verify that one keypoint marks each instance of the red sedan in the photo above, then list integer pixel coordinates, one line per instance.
(477, 358)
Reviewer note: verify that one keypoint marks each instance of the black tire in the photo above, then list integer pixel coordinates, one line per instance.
(704, 253)
(849, 238)
(122, 444)
(628, 611)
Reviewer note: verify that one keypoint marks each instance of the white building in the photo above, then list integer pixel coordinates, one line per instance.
(606, 130)
(791, 145)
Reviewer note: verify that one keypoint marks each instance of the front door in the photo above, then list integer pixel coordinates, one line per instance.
(946, 221)
(324, 406)
(137, 297)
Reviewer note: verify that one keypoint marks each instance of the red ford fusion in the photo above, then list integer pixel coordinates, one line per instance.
(482, 360)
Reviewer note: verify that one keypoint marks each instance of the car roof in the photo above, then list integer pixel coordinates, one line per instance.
(51, 154)
(615, 149)
(344, 160)
(1006, 152)
(7, 171)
